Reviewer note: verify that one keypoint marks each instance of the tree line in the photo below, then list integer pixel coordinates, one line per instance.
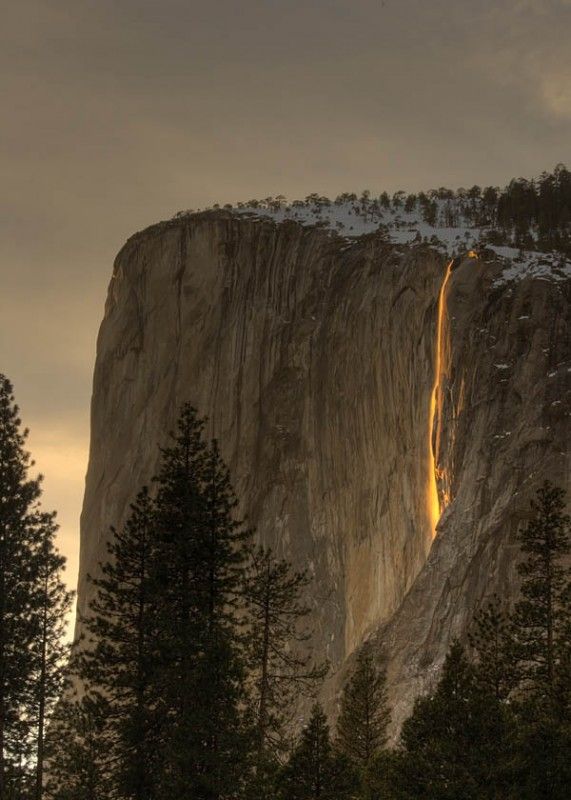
(194, 674)
(531, 214)
(33, 607)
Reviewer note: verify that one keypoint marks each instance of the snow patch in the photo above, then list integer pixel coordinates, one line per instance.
(531, 264)
(450, 229)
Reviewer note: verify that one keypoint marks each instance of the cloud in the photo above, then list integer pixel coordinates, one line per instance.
(557, 95)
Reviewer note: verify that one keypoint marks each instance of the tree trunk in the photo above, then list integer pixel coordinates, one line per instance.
(42, 698)
(549, 624)
(2, 668)
(265, 657)
(140, 754)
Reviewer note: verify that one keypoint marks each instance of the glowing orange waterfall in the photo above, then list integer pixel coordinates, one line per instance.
(434, 506)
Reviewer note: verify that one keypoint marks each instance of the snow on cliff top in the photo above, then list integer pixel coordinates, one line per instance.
(445, 224)
(541, 266)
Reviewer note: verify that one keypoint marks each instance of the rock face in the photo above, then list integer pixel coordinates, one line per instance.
(505, 428)
(313, 358)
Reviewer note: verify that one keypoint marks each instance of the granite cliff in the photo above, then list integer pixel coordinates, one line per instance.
(359, 399)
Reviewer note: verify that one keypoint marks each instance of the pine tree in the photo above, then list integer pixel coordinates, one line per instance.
(364, 717)
(202, 550)
(315, 771)
(456, 743)
(379, 777)
(542, 754)
(26, 537)
(492, 639)
(542, 631)
(50, 648)
(79, 751)
(118, 661)
(542, 618)
(279, 670)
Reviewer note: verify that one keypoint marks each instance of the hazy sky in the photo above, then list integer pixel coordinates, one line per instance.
(116, 114)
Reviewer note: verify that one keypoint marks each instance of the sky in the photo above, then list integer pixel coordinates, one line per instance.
(119, 113)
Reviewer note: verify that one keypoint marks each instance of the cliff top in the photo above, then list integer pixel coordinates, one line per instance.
(533, 215)
(527, 225)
